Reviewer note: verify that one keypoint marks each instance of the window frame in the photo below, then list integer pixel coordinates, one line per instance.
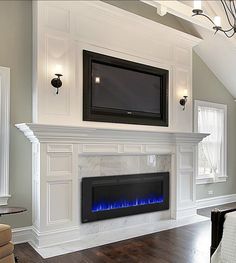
(223, 177)
(4, 134)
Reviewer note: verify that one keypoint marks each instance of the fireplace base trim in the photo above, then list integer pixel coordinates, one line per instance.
(48, 246)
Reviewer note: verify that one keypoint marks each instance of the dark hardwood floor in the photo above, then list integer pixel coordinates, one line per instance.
(187, 244)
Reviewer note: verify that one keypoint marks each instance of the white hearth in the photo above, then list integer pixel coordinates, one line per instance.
(62, 155)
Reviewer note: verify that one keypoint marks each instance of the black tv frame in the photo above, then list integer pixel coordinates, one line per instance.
(99, 114)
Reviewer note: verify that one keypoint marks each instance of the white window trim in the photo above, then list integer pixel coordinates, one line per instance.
(223, 177)
(4, 134)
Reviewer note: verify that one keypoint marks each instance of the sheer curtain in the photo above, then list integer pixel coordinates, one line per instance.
(211, 120)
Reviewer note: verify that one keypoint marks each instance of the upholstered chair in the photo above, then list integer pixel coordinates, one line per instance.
(6, 246)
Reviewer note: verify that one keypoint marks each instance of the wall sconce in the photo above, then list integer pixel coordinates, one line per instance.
(184, 100)
(56, 82)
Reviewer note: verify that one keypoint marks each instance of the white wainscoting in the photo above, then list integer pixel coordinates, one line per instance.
(63, 29)
(4, 134)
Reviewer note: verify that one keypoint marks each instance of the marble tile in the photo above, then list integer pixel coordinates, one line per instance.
(111, 165)
(120, 165)
(89, 166)
(157, 216)
(112, 224)
(89, 228)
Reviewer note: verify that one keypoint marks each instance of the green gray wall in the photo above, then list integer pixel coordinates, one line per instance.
(16, 53)
(207, 87)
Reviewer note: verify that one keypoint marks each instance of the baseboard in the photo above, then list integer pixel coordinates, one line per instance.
(22, 235)
(218, 200)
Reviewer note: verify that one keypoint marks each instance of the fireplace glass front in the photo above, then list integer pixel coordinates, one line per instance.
(123, 195)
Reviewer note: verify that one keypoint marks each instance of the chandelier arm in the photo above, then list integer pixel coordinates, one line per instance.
(229, 7)
(228, 30)
(229, 36)
(232, 10)
(226, 12)
(234, 7)
(225, 31)
(204, 16)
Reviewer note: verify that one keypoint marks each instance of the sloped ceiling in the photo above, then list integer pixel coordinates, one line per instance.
(217, 51)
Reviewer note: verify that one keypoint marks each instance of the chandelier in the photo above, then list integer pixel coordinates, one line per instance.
(230, 12)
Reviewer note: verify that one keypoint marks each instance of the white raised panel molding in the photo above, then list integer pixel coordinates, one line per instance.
(182, 56)
(60, 19)
(100, 148)
(59, 207)
(131, 37)
(186, 179)
(4, 134)
(57, 148)
(182, 79)
(133, 148)
(56, 176)
(59, 164)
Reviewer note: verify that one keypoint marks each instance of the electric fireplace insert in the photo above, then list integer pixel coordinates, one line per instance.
(115, 196)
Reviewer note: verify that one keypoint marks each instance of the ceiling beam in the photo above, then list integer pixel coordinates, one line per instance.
(178, 9)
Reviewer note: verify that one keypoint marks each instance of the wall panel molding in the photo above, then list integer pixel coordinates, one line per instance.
(4, 134)
(131, 37)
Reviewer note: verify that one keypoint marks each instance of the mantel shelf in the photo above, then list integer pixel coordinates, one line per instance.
(50, 133)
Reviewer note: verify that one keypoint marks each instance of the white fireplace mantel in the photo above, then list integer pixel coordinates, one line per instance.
(57, 176)
(49, 133)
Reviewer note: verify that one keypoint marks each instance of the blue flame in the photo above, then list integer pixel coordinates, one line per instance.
(104, 206)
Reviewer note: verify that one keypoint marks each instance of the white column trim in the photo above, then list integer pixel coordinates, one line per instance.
(4, 134)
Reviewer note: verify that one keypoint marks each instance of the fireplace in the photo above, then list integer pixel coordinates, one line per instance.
(124, 195)
(71, 155)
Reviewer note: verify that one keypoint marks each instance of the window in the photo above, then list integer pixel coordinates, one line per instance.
(4, 134)
(211, 118)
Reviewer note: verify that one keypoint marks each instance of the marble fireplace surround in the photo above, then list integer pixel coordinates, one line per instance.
(62, 155)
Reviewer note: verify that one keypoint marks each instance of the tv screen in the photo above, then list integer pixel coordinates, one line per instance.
(125, 89)
(121, 91)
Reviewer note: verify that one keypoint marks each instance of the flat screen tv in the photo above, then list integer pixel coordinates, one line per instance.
(121, 91)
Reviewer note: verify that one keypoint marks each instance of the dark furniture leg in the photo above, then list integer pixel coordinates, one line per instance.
(217, 226)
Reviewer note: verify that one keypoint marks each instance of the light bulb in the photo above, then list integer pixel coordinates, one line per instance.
(185, 92)
(217, 21)
(97, 80)
(198, 4)
(58, 69)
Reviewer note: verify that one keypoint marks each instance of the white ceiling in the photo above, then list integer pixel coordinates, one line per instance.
(217, 51)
